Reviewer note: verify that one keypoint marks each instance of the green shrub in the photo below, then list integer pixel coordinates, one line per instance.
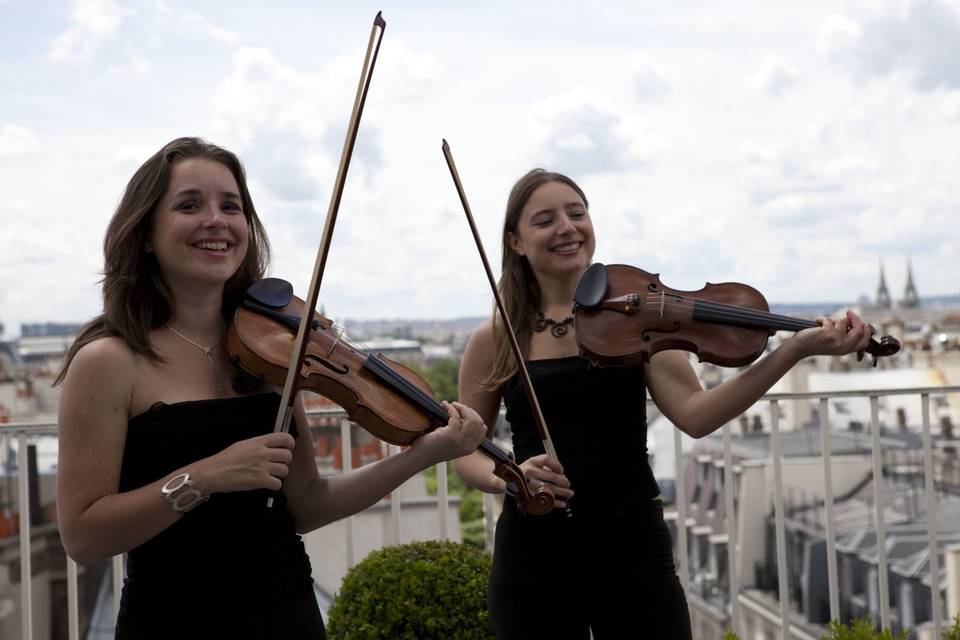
(953, 633)
(860, 629)
(416, 591)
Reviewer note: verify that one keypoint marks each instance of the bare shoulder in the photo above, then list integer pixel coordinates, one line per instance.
(101, 371)
(482, 339)
(475, 369)
(108, 355)
(478, 356)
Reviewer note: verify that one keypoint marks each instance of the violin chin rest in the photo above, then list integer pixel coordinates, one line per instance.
(271, 292)
(592, 286)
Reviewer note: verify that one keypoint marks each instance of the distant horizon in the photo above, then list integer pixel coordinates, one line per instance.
(925, 301)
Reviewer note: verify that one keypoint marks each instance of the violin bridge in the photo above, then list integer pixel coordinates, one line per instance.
(339, 333)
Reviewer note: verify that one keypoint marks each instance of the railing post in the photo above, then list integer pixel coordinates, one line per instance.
(780, 526)
(117, 565)
(443, 503)
(489, 523)
(733, 581)
(931, 518)
(681, 512)
(882, 576)
(73, 608)
(346, 449)
(26, 570)
(394, 504)
(832, 579)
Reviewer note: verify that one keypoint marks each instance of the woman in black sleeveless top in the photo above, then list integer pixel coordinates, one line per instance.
(160, 458)
(608, 567)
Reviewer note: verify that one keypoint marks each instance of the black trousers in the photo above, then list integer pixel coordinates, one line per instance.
(610, 571)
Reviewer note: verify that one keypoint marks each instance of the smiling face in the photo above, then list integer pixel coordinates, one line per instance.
(199, 233)
(554, 232)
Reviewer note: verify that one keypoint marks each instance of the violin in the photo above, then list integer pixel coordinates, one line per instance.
(384, 397)
(623, 315)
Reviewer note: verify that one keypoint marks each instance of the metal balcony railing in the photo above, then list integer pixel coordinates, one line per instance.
(24, 434)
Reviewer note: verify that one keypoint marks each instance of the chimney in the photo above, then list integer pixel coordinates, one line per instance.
(33, 485)
(902, 418)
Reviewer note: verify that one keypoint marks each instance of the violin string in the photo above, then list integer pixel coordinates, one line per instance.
(724, 312)
(390, 375)
(776, 321)
(756, 320)
(770, 320)
(756, 313)
(350, 338)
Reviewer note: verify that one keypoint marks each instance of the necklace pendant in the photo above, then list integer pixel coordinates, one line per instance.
(557, 329)
(206, 352)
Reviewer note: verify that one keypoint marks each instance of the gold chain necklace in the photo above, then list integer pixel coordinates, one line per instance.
(206, 351)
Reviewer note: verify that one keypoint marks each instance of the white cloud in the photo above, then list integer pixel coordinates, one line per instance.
(921, 41)
(92, 22)
(135, 67)
(288, 116)
(951, 105)
(582, 132)
(774, 76)
(839, 34)
(17, 142)
(224, 36)
(649, 80)
(406, 73)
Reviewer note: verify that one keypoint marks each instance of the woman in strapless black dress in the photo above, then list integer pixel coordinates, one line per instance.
(608, 568)
(160, 458)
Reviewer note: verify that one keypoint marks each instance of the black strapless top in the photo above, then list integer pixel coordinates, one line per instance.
(597, 419)
(231, 541)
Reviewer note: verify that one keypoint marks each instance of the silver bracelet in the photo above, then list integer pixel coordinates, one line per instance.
(182, 493)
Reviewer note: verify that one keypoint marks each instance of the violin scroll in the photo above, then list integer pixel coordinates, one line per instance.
(537, 504)
(886, 346)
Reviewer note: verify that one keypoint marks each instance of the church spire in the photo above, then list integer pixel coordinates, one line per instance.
(883, 296)
(910, 298)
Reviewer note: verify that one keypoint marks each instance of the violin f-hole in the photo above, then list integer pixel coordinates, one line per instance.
(329, 365)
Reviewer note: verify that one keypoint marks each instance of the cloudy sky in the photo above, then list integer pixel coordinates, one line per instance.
(792, 146)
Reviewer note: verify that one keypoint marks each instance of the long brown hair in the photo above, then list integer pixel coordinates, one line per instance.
(135, 297)
(518, 284)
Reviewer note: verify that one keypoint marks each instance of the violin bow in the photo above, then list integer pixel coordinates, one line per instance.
(514, 345)
(290, 386)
